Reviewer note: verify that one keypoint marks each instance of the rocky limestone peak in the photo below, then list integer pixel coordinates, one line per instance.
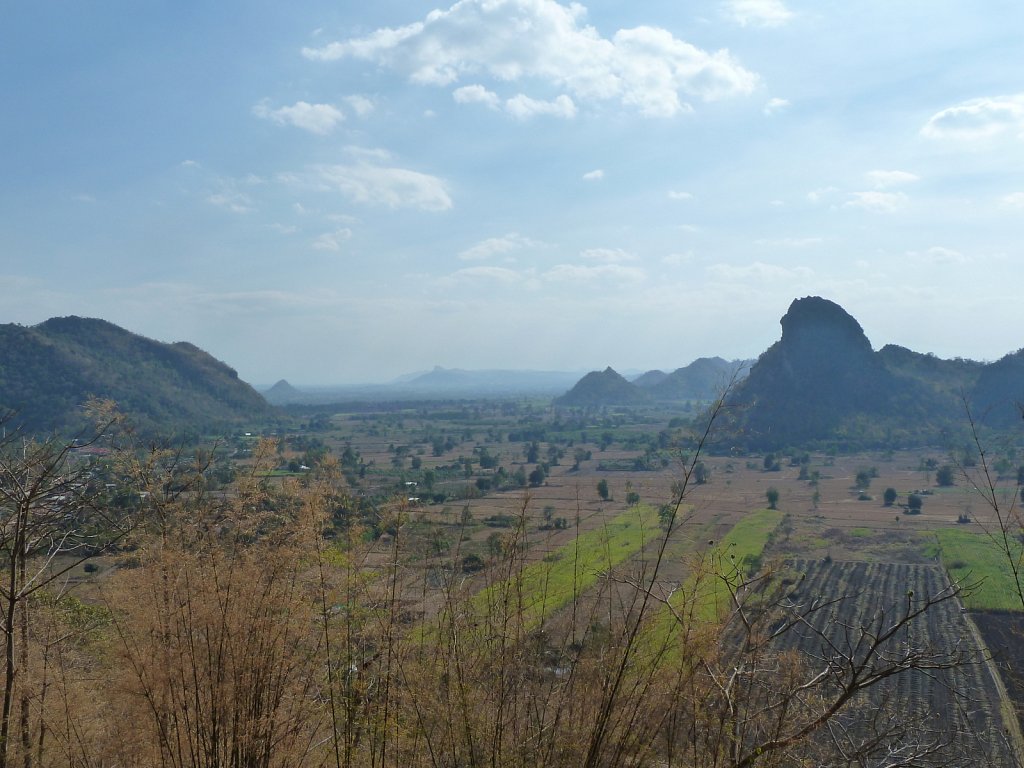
(814, 323)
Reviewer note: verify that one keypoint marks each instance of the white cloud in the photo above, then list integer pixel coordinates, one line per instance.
(791, 242)
(977, 119)
(678, 259)
(543, 41)
(231, 201)
(765, 13)
(331, 241)
(941, 256)
(1012, 200)
(369, 182)
(775, 105)
(675, 195)
(758, 272)
(522, 107)
(315, 118)
(818, 195)
(499, 274)
(575, 273)
(887, 179)
(361, 105)
(494, 246)
(595, 175)
(876, 201)
(608, 255)
(476, 94)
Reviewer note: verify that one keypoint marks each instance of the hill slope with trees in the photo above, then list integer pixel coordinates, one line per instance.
(48, 371)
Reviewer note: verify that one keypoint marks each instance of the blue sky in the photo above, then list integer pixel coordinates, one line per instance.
(344, 192)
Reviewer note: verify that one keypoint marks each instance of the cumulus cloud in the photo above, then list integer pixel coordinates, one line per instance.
(361, 105)
(596, 175)
(608, 255)
(978, 119)
(677, 195)
(495, 246)
(476, 94)
(543, 41)
(775, 105)
(371, 182)
(522, 107)
(331, 241)
(886, 179)
(764, 13)
(876, 201)
(315, 118)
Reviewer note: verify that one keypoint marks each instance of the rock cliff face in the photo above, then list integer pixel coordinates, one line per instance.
(817, 379)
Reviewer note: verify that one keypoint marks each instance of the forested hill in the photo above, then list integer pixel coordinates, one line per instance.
(49, 370)
(823, 383)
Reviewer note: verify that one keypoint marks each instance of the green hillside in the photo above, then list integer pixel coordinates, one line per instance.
(48, 371)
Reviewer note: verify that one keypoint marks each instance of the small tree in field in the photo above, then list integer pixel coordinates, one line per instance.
(889, 497)
(602, 489)
(944, 476)
(914, 504)
(772, 494)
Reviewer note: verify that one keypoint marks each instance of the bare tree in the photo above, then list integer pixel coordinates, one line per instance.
(54, 515)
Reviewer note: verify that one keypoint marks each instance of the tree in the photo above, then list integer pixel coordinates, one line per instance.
(701, 474)
(53, 517)
(772, 494)
(863, 479)
(889, 497)
(602, 489)
(538, 476)
(944, 476)
(914, 504)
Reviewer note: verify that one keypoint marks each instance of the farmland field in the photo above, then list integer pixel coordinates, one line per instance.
(576, 497)
(958, 705)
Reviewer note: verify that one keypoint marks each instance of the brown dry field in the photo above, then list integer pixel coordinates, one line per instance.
(841, 526)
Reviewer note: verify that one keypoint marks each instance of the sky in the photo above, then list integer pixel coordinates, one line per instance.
(341, 192)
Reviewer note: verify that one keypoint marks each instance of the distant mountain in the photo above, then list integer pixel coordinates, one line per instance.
(283, 393)
(48, 371)
(455, 381)
(649, 379)
(603, 388)
(703, 379)
(997, 399)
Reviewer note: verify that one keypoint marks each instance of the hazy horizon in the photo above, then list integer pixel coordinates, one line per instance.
(344, 194)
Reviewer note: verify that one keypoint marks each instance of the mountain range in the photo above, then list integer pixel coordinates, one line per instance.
(820, 382)
(823, 382)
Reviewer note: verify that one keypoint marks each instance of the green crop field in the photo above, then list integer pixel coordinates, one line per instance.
(975, 560)
(539, 589)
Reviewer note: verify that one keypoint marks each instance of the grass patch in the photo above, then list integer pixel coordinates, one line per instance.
(973, 558)
(540, 589)
(706, 595)
(861, 533)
